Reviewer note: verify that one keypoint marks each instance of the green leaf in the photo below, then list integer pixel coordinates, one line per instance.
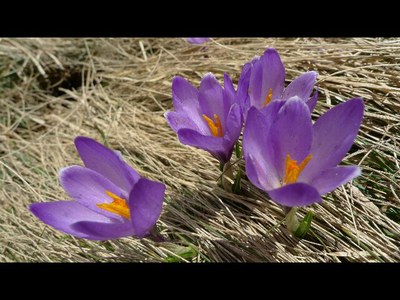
(390, 234)
(236, 185)
(238, 151)
(304, 225)
(394, 214)
(181, 252)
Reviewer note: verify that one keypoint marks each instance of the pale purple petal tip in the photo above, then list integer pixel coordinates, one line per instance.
(301, 86)
(197, 41)
(184, 95)
(105, 161)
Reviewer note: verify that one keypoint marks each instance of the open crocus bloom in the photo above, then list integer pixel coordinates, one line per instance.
(295, 161)
(111, 200)
(197, 41)
(262, 81)
(208, 118)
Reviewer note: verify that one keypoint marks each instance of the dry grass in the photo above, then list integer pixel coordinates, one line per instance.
(116, 91)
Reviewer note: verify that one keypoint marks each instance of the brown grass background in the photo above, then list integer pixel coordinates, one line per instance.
(116, 91)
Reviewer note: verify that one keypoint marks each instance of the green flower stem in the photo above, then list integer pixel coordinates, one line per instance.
(299, 229)
(227, 177)
(236, 185)
(181, 253)
(292, 223)
(238, 150)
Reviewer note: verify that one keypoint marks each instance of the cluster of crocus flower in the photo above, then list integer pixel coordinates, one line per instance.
(287, 155)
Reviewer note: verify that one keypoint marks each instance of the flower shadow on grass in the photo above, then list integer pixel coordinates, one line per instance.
(225, 227)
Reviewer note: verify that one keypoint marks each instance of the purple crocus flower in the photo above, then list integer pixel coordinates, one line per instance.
(208, 118)
(111, 200)
(262, 81)
(197, 41)
(294, 160)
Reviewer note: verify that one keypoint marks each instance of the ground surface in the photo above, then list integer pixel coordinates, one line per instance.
(116, 91)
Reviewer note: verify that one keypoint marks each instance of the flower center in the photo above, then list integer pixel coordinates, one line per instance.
(293, 170)
(214, 125)
(118, 206)
(268, 98)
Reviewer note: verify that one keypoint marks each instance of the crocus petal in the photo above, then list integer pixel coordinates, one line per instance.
(214, 145)
(99, 158)
(295, 194)
(145, 204)
(258, 174)
(211, 98)
(333, 134)
(178, 121)
(101, 231)
(291, 133)
(301, 86)
(233, 125)
(184, 95)
(259, 154)
(267, 73)
(242, 90)
(332, 178)
(197, 41)
(63, 214)
(89, 188)
(271, 111)
(255, 84)
(312, 101)
(228, 85)
(185, 99)
(229, 92)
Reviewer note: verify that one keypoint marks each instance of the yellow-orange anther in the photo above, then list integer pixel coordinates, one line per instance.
(268, 98)
(118, 206)
(215, 126)
(293, 170)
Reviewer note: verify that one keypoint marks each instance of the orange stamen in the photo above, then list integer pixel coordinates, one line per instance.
(118, 206)
(293, 170)
(215, 126)
(268, 98)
